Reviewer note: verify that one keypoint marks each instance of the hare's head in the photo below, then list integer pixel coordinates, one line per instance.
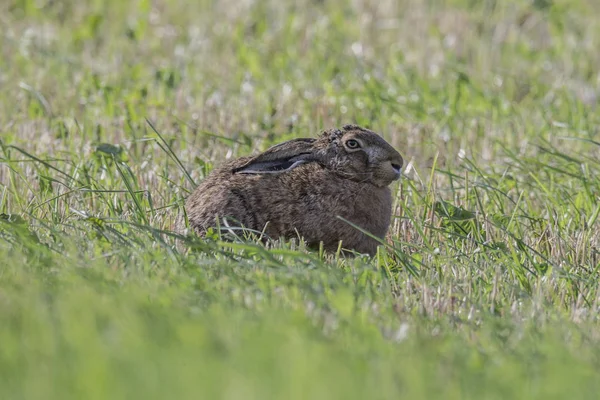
(360, 155)
(352, 152)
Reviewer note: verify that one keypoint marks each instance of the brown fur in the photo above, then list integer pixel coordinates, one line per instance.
(267, 193)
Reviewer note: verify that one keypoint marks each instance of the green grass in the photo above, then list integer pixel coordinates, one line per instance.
(487, 289)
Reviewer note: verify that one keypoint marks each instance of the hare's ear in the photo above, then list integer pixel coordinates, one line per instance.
(280, 158)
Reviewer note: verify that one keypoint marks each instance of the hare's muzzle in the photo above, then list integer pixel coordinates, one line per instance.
(387, 172)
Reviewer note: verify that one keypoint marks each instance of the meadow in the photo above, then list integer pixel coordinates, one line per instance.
(112, 111)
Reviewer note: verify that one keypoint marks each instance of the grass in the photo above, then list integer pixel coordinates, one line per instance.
(487, 288)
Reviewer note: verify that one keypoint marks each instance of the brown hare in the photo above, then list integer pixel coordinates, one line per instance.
(300, 187)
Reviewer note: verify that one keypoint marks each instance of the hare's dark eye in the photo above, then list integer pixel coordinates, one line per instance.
(352, 144)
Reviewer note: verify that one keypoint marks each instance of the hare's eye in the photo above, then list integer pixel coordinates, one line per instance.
(352, 144)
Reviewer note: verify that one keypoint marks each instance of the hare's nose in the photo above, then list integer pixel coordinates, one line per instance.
(397, 168)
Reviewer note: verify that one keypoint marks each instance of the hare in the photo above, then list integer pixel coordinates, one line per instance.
(299, 188)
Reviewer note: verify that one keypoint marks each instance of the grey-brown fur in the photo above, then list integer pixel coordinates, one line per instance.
(300, 187)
